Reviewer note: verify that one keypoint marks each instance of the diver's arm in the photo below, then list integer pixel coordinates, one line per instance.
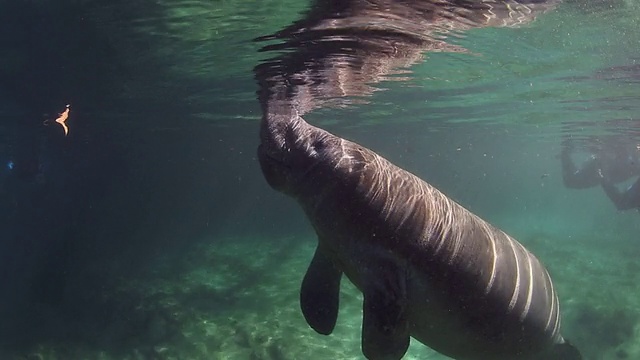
(626, 200)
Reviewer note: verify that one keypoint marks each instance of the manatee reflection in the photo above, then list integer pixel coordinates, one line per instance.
(341, 49)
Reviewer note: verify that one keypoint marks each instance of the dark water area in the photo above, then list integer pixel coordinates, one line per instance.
(149, 232)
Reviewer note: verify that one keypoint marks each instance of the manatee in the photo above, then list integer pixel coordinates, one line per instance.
(427, 267)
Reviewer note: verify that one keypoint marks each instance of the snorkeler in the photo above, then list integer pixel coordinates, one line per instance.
(623, 200)
(616, 159)
(612, 161)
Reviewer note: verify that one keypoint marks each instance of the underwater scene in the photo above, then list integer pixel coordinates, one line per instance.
(320, 179)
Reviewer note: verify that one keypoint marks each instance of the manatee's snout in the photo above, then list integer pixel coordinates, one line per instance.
(272, 130)
(273, 167)
(289, 149)
(274, 152)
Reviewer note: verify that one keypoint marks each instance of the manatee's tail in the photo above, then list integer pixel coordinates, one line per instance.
(565, 351)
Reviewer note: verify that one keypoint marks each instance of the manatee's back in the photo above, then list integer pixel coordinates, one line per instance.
(497, 295)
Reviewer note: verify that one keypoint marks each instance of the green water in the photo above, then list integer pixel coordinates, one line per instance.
(151, 234)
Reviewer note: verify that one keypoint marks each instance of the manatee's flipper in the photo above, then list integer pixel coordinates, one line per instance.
(564, 351)
(385, 326)
(319, 295)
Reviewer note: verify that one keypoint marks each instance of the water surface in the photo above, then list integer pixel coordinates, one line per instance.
(149, 232)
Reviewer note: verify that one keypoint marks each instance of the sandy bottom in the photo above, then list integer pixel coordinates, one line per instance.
(237, 298)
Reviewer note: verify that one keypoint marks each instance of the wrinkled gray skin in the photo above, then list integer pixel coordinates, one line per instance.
(427, 267)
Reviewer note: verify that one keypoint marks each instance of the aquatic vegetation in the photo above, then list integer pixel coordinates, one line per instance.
(251, 309)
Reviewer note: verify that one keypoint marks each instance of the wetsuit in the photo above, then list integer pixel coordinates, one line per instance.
(607, 167)
(616, 163)
(623, 200)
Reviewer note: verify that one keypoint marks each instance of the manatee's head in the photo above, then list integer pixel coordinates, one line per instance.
(294, 154)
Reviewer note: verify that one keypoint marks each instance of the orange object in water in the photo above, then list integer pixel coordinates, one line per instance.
(63, 118)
